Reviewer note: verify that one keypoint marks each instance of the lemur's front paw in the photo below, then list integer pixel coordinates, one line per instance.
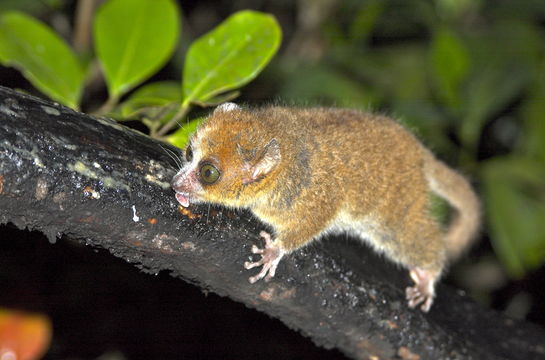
(423, 291)
(270, 257)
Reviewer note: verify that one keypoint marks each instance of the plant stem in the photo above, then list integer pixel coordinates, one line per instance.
(108, 105)
(82, 26)
(182, 112)
(152, 126)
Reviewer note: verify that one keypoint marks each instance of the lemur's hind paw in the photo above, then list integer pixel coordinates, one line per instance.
(423, 292)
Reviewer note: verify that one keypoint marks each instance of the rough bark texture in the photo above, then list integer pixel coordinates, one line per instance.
(92, 180)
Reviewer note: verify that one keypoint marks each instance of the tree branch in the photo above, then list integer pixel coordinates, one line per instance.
(93, 180)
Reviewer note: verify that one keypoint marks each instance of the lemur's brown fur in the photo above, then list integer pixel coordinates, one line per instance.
(308, 172)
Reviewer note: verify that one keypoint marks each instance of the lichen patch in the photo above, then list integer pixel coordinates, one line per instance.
(42, 188)
(49, 110)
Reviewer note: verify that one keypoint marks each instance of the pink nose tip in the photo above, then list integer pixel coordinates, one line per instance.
(176, 183)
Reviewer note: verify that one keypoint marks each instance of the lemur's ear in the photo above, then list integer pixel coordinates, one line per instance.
(225, 107)
(267, 160)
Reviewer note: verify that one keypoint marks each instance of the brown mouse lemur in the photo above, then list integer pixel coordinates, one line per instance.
(308, 172)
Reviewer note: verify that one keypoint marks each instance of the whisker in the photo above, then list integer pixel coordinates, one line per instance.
(180, 124)
(174, 156)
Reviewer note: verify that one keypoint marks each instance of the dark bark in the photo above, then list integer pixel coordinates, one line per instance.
(69, 174)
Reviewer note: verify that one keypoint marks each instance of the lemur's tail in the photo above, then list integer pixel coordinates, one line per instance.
(454, 188)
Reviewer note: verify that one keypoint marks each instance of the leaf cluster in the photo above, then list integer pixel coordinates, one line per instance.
(133, 39)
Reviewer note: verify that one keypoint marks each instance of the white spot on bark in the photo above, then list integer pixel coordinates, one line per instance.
(10, 107)
(51, 111)
(41, 189)
(38, 162)
(135, 217)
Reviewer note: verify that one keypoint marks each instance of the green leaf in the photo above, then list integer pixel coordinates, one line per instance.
(533, 140)
(219, 99)
(514, 190)
(399, 71)
(31, 7)
(453, 9)
(501, 72)
(133, 39)
(180, 138)
(229, 56)
(155, 94)
(439, 209)
(306, 85)
(450, 61)
(366, 18)
(487, 93)
(42, 56)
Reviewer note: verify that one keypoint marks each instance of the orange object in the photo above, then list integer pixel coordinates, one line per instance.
(23, 336)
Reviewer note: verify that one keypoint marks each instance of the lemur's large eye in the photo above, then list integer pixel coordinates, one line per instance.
(189, 153)
(209, 173)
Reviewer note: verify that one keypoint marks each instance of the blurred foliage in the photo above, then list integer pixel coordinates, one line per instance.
(468, 77)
